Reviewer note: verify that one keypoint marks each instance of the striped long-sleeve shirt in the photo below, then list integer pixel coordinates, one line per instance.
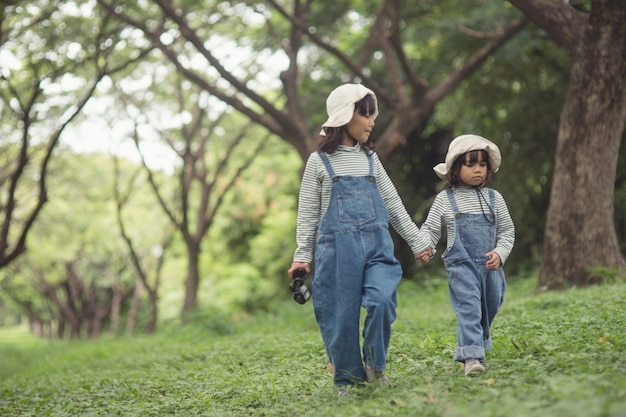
(468, 201)
(314, 198)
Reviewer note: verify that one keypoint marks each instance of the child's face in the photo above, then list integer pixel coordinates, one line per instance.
(359, 128)
(473, 173)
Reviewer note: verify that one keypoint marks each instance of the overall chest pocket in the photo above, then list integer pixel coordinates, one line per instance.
(477, 239)
(356, 209)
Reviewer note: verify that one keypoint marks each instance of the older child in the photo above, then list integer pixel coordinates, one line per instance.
(480, 238)
(346, 203)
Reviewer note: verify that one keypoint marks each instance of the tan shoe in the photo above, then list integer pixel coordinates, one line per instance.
(378, 377)
(343, 393)
(473, 367)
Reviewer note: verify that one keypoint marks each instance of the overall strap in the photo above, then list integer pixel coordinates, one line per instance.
(455, 209)
(326, 162)
(371, 164)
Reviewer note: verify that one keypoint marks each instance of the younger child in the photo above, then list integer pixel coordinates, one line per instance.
(480, 238)
(345, 205)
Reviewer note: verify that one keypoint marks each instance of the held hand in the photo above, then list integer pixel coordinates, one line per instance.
(425, 255)
(493, 262)
(296, 265)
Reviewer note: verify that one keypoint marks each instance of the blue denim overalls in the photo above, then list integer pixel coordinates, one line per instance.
(355, 266)
(476, 292)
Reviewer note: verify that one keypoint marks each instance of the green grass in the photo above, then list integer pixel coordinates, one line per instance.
(555, 354)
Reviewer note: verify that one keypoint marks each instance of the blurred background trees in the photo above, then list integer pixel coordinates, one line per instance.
(156, 145)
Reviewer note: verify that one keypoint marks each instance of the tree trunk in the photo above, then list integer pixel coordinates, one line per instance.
(580, 230)
(154, 310)
(134, 308)
(192, 281)
(36, 325)
(116, 307)
(100, 315)
(61, 328)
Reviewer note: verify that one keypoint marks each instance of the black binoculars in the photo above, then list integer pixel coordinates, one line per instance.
(301, 293)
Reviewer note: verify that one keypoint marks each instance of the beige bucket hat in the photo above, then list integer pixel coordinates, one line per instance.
(340, 104)
(465, 143)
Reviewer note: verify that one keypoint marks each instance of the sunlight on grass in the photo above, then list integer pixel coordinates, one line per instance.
(555, 354)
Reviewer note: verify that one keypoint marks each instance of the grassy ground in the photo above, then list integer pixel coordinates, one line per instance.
(556, 354)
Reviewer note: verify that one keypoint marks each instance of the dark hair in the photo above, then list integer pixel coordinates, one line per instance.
(332, 140)
(454, 177)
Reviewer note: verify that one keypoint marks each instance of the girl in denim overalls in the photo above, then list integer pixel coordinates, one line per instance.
(480, 238)
(346, 203)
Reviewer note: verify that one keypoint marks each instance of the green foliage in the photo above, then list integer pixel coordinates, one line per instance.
(558, 354)
(256, 227)
(77, 230)
(606, 275)
(271, 250)
(236, 287)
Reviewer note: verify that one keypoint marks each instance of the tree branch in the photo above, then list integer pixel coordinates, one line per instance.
(448, 85)
(278, 121)
(563, 23)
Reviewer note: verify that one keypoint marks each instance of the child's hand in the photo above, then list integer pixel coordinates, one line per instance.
(425, 255)
(494, 261)
(296, 265)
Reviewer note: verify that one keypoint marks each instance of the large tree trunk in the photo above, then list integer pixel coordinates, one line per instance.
(580, 229)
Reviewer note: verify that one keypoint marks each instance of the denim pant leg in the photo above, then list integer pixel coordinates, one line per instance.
(337, 289)
(379, 300)
(495, 287)
(466, 294)
(383, 274)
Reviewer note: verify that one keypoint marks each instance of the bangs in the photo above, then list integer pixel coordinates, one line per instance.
(477, 155)
(366, 106)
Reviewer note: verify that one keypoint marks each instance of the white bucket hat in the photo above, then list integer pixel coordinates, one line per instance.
(465, 143)
(340, 104)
